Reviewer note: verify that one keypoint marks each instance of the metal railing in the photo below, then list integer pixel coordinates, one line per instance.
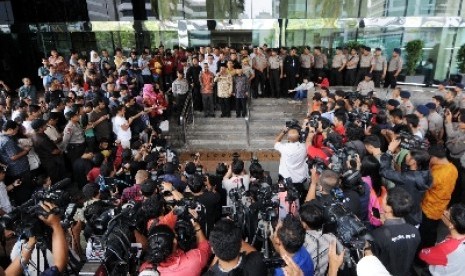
(247, 120)
(186, 117)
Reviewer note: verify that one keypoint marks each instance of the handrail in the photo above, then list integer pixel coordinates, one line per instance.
(186, 116)
(247, 121)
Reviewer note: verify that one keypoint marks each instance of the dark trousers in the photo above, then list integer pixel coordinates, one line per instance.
(377, 78)
(336, 77)
(225, 107)
(351, 77)
(197, 97)
(207, 100)
(428, 231)
(305, 73)
(390, 80)
(275, 75)
(241, 107)
(74, 152)
(258, 81)
(180, 100)
(317, 72)
(362, 71)
(291, 81)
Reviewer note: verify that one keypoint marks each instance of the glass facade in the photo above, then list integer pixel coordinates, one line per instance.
(29, 29)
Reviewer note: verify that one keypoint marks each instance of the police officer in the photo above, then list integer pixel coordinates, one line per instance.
(73, 137)
(320, 61)
(338, 64)
(406, 105)
(351, 72)
(366, 63)
(259, 64)
(306, 63)
(291, 66)
(275, 72)
(393, 69)
(380, 67)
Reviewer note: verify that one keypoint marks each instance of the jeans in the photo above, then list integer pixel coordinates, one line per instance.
(207, 101)
(300, 95)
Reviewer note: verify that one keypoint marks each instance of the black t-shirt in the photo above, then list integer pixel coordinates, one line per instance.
(395, 244)
(211, 202)
(251, 264)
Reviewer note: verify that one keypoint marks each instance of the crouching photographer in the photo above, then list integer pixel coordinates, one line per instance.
(166, 256)
(26, 248)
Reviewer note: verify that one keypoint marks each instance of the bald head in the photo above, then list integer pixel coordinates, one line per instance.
(293, 135)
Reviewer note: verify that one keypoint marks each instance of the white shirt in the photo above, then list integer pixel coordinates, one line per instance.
(5, 203)
(305, 86)
(123, 135)
(235, 182)
(293, 161)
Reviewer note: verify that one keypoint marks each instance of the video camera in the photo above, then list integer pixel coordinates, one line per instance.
(362, 117)
(340, 157)
(286, 185)
(24, 219)
(409, 141)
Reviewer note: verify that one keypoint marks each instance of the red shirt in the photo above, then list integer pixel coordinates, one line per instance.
(340, 130)
(324, 83)
(168, 65)
(183, 263)
(445, 253)
(92, 174)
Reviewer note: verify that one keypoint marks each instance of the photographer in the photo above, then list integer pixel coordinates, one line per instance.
(134, 193)
(204, 193)
(316, 243)
(288, 240)
(233, 255)
(293, 157)
(235, 178)
(165, 256)
(396, 242)
(59, 246)
(416, 180)
(322, 190)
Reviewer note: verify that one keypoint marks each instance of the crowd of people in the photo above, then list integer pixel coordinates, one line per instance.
(365, 184)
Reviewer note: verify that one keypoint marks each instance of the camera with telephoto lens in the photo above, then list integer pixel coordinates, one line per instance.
(24, 219)
(409, 141)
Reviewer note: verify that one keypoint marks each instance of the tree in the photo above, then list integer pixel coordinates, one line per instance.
(414, 49)
(461, 59)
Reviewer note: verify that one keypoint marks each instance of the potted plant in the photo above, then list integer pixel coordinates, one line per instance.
(414, 49)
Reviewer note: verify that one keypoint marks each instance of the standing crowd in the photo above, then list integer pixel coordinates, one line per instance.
(397, 167)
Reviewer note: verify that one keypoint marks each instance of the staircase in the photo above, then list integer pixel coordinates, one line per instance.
(267, 118)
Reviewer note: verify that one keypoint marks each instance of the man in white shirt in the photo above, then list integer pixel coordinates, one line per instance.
(292, 163)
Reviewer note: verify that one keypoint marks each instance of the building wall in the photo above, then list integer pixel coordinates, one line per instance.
(95, 24)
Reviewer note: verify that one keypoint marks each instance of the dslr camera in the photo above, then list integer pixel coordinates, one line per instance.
(409, 141)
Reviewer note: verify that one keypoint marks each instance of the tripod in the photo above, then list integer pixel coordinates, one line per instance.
(263, 230)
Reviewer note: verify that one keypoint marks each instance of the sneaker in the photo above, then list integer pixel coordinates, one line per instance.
(292, 102)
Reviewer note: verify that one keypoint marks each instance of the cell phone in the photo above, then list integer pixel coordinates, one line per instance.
(375, 212)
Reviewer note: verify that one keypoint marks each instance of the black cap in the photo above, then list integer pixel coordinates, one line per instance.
(38, 123)
(190, 168)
